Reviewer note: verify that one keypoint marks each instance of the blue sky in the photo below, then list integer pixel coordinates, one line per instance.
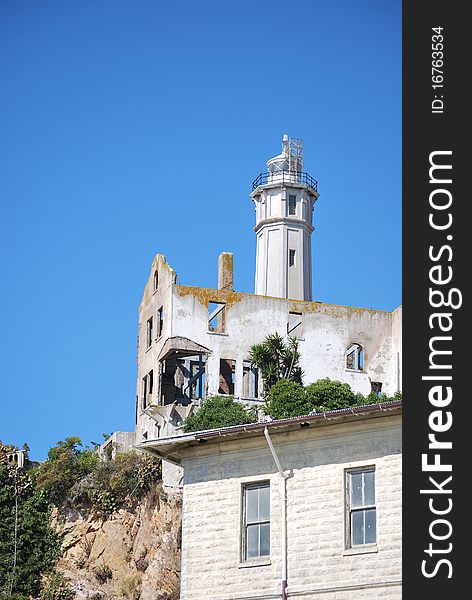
(135, 127)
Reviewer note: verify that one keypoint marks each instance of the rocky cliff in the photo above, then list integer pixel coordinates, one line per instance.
(134, 553)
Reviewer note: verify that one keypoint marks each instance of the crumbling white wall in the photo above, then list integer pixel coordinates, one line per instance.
(328, 330)
(319, 566)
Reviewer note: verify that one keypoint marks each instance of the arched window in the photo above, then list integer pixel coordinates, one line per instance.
(355, 357)
(156, 280)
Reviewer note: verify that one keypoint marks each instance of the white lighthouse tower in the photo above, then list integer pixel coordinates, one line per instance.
(284, 197)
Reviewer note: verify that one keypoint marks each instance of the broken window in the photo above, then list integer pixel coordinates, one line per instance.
(160, 321)
(149, 332)
(183, 379)
(292, 205)
(355, 357)
(227, 372)
(216, 317)
(250, 380)
(291, 258)
(376, 388)
(295, 325)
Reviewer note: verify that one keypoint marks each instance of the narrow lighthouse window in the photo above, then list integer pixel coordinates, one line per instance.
(291, 258)
(292, 205)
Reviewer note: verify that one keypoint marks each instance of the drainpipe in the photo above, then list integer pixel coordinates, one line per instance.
(283, 495)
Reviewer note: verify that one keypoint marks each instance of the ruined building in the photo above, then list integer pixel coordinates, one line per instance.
(194, 342)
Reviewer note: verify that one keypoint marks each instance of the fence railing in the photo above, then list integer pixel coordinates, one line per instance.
(285, 177)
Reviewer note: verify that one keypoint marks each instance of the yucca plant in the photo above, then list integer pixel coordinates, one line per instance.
(276, 359)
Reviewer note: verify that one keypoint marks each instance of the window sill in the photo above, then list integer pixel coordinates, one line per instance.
(148, 348)
(354, 370)
(367, 549)
(218, 333)
(255, 562)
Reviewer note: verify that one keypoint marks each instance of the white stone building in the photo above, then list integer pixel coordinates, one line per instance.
(194, 342)
(306, 508)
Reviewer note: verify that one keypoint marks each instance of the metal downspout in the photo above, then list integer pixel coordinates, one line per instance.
(283, 494)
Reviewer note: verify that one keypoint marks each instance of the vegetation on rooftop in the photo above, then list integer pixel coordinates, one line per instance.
(219, 411)
(290, 399)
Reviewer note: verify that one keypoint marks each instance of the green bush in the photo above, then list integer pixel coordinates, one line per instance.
(325, 395)
(287, 399)
(66, 465)
(216, 412)
(56, 588)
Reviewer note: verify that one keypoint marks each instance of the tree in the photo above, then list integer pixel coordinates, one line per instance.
(24, 509)
(216, 412)
(276, 360)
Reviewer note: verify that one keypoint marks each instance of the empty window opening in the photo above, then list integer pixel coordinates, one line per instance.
(292, 205)
(291, 258)
(295, 324)
(376, 388)
(144, 393)
(150, 382)
(250, 380)
(149, 332)
(183, 379)
(216, 317)
(160, 321)
(227, 373)
(147, 387)
(361, 511)
(256, 521)
(156, 280)
(355, 357)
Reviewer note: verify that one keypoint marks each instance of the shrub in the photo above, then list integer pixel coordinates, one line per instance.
(65, 466)
(287, 399)
(325, 394)
(103, 573)
(56, 588)
(129, 475)
(216, 412)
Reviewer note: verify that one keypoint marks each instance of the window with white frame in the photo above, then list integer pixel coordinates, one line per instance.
(256, 520)
(361, 512)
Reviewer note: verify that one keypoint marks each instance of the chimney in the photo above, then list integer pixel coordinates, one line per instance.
(225, 272)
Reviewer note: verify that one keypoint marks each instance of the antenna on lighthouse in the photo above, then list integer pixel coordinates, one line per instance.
(295, 154)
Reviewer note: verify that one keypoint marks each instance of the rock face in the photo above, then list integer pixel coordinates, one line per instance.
(134, 553)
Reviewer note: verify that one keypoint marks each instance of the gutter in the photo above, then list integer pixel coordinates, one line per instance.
(283, 494)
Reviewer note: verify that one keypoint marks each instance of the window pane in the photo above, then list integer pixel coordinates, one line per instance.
(252, 541)
(356, 490)
(370, 526)
(252, 501)
(357, 528)
(264, 503)
(264, 540)
(369, 488)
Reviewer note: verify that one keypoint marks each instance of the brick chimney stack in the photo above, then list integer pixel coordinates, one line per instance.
(225, 272)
